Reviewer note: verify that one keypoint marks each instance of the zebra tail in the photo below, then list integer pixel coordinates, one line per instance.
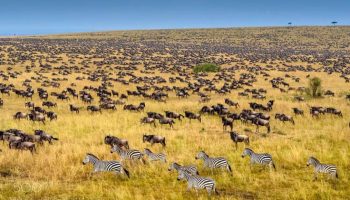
(216, 191)
(127, 173)
(273, 165)
(336, 175)
(229, 168)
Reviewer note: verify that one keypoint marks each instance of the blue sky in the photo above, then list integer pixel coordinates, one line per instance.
(49, 16)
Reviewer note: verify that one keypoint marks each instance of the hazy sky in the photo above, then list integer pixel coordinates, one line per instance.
(50, 16)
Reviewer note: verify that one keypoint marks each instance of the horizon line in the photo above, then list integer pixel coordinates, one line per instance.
(162, 29)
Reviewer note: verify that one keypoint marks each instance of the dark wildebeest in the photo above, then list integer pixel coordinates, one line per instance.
(227, 122)
(23, 146)
(261, 122)
(29, 104)
(45, 136)
(73, 108)
(191, 115)
(148, 120)
(112, 140)
(94, 109)
(36, 116)
(284, 118)
(235, 137)
(231, 103)
(166, 120)
(154, 139)
(173, 115)
(298, 111)
(51, 115)
(20, 115)
(155, 115)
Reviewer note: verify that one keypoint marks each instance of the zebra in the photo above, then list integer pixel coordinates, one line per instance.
(100, 165)
(212, 163)
(189, 168)
(129, 154)
(155, 156)
(322, 168)
(197, 182)
(263, 158)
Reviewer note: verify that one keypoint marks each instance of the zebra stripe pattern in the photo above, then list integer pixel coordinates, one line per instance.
(256, 158)
(100, 165)
(197, 182)
(129, 154)
(322, 168)
(219, 162)
(190, 169)
(155, 156)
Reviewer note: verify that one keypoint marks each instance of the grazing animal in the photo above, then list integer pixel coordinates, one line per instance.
(261, 122)
(284, 118)
(197, 182)
(173, 115)
(36, 116)
(23, 146)
(112, 140)
(298, 111)
(20, 115)
(322, 168)
(101, 166)
(73, 108)
(166, 120)
(235, 137)
(154, 139)
(129, 154)
(226, 122)
(191, 115)
(212, 163)
(155, 156)
(45, 136)
(256, 158)
(148, 120)
(191, 169)
(94, 109)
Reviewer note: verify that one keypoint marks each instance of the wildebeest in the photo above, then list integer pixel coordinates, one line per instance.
(261, 122)
(166, 120)
(173, 115)
(154, 139)
(298, 111)
(20, 115)
(148, 120)
(231, 103)
(191, 115)
(284, 118)
(23, 146)
(113, 140)
(36, 116)
(235, 137)
(226, 122)
(45, 136)
(51, 115)
(73, 108)
(94, 109)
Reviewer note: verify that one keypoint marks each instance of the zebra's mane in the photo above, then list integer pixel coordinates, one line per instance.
(315, 159)
(90, 154)
(248, 149)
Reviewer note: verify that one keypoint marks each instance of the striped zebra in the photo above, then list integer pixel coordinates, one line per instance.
(322, 168)
(100, 165)
(155, 156)
(128, 154)
(197, 182)
(256, 158)
(212, 163)
(189, 168)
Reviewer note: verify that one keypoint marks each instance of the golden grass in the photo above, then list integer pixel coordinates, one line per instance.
(56, 171)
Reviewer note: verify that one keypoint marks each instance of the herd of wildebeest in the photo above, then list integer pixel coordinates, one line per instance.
(150, 74)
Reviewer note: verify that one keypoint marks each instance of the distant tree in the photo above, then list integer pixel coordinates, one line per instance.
(334, 22)
(206, 67)
(289, 23)
(315, 88)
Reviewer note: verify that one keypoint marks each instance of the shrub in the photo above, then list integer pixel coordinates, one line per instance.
(206, 67)
(315, 88)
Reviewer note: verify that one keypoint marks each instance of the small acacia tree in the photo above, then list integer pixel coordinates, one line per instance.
(207, 67)
(315, 88)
